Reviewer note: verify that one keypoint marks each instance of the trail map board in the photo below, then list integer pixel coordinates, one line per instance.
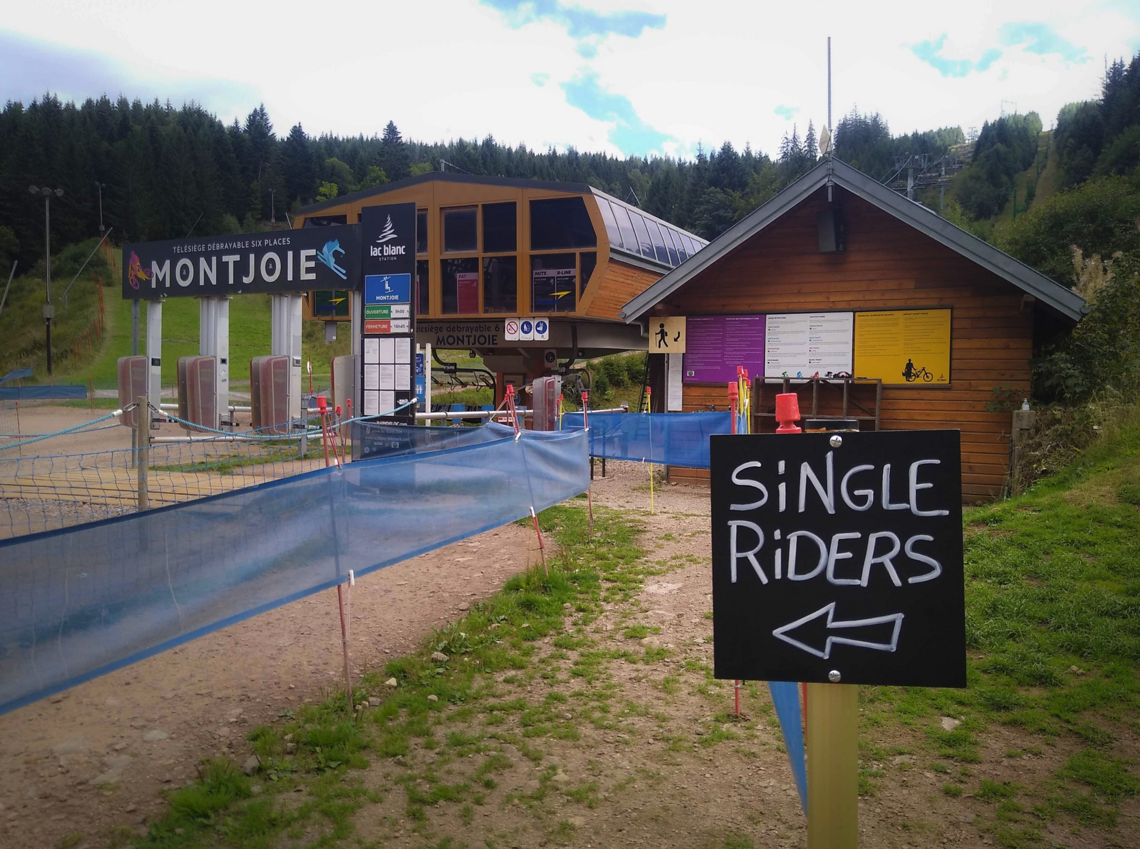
(844, 557)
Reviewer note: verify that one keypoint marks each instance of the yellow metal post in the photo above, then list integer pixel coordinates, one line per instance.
(833, 766)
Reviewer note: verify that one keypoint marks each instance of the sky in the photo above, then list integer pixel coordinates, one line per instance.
(626, 77)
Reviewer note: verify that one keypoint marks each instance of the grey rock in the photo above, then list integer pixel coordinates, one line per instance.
(71, 746)
(898, 760)
(949, 724)
(391, 682)
(439, 657)
(464, 606)
(433, 698)
(560, 777)
(374, 702)
(251, 765)
(155, 735)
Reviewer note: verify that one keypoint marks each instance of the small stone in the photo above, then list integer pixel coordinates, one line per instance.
(131, 808)
(567, 605)
(493, 626)
(898, 760)
(256, 789)
(433, 698)
(118, 747)
(949, 724)
(234, 715)
(373, 701)
(179, 831)
(112, 702)
(560, 777)
(290, 748)
(391, 682)
(168, 779)
(464, 606)
(567, 716)
(58, 697)
(251, 765)
(525, 625)
(439, 657)
(154, 736)
(1076, 670)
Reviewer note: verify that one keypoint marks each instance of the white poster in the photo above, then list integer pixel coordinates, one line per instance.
(387, 376)
(807, 345)
(403, 351)
(371, 403)
(674, 396)
(371, 376)
(387, 402)
(387, 350)
(403, 377)
(371, 350)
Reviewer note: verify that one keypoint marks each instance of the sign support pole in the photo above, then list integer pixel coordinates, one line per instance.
(833, 766)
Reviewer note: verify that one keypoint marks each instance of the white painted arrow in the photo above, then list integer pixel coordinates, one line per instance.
(782, 632)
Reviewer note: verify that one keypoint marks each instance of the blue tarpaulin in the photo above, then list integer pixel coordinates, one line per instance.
(43, 393)
(673, 439)
(81, 602)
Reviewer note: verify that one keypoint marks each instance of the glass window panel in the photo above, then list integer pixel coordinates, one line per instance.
(588, 261)
(561, 223)
(422, 299)
(642, 235)
(552, 282)
(460, 230)
(611, 223)
(671, 245)
(325, 221)
(692, 244)
(500, 283)
(421, 231)
(499, 233)
(682, 246)
(629, 238)
(460, 286)
(658, 241)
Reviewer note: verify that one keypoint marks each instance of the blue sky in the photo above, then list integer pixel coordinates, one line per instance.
(622, 76)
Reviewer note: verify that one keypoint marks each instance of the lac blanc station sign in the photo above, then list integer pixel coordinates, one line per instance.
(839, 557)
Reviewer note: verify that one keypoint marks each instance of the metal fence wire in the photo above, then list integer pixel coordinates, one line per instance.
(45, 492)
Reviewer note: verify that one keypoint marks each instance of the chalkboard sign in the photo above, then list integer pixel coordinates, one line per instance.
(839, 553)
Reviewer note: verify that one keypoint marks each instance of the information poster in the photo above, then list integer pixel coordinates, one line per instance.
(904, 347)
(552, 289)
(467, 292)
(717, 344)
(808, 344)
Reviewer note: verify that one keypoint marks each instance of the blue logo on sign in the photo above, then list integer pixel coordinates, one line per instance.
(540, 328)
(388, 289)
(526, 327)
(327, 256)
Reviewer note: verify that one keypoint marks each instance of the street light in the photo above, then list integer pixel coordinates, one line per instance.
(99, 187)
(48, 309)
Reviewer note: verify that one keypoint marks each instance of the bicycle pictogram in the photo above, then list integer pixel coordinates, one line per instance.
(912, 374)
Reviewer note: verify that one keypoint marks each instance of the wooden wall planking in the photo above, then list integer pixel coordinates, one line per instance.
(887, 265)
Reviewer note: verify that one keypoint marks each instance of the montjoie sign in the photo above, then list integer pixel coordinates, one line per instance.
(838, 557)
(280, 261)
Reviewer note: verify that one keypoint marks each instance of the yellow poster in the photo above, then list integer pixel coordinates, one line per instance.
(904, 347)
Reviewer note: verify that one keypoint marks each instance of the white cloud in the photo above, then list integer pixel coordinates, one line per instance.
(717, 70)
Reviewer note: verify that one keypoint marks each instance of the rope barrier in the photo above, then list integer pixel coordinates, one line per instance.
(66, 431)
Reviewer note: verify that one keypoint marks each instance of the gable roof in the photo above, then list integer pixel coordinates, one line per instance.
(833, 172)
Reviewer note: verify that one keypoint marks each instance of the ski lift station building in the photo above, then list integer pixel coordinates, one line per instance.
(492, 252)
(867, 305)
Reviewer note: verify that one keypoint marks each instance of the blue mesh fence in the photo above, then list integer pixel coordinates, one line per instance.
(83, 601)
(371, 439)
(672, 439)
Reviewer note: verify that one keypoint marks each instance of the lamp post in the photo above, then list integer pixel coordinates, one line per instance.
(99, 187)
(48, 309)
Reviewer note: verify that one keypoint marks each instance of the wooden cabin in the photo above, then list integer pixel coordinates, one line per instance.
(939, 326)
(493, 249)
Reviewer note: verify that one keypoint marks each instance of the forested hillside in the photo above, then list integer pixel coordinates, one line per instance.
(166, 170)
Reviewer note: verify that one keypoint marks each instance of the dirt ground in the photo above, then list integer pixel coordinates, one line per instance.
(148, 725)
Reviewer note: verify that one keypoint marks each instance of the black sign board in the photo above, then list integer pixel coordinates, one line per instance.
(839, 553)
(277, 261)
(388, 323)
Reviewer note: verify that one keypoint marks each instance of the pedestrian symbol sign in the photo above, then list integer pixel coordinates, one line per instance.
(667, 335)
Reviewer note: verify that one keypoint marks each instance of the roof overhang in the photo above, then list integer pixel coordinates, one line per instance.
(835, 173)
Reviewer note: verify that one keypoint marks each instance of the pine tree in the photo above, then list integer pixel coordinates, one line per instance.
(394, 160)
(811, 151)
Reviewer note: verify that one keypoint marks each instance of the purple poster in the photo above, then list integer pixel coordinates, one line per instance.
(716, 344)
